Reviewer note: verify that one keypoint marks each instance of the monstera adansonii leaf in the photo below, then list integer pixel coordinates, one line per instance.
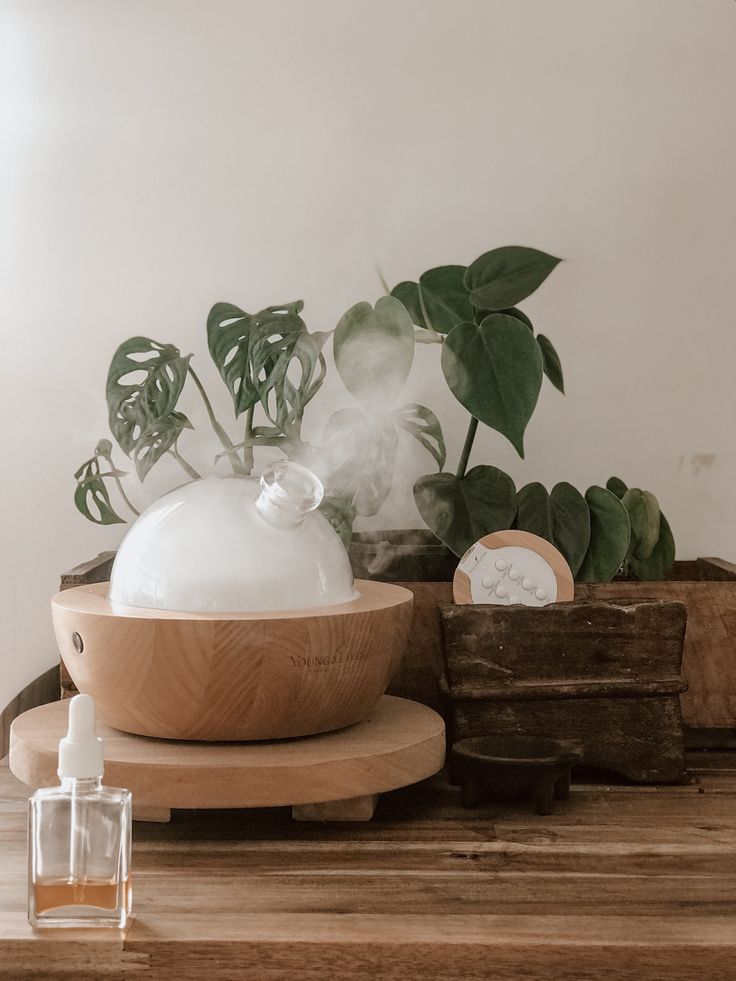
(268, 357)
(609, 536)
(562, 517)
(494, 369)
(374, 351)
(91, 496)
(421, 423)
(460, 510)
(158, 437)
(504, 277)
(143, 385)
(439, 301)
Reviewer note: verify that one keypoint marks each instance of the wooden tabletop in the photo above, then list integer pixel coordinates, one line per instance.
(622, 882)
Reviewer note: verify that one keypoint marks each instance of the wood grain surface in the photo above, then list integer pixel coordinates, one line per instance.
(234, 676)
(709, 658)
(625, 883)
(399, 743)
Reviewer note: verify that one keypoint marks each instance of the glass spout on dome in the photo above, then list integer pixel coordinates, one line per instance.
(289, 492)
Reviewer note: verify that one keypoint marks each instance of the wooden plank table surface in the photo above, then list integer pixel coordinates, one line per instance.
(621, 882)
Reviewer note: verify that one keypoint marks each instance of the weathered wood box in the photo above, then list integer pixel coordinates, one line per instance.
(602, 676)
(706, 586)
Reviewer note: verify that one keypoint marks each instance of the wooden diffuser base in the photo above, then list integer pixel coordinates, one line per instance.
(236, 676)
(335, 776)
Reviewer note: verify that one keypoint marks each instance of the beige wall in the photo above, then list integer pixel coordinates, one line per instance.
(157, 156)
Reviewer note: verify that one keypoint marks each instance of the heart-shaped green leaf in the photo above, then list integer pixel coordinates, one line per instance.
(143, 384)
(551, 362)
(533, 511)
(659, 564)
(609, 536)
(158, 437)
(562, 517)
(358, 459)
(616, 486)
(570, 523)
(504, 277)
(408, 294)
(461, 510)
(374, 350)
(445, 299)
(421, 423)
(91, 496)
(495, 370)
(643, 509)
(439, 301)
(480, 315)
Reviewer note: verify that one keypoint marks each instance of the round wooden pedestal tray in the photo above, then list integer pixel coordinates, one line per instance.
(334, 776)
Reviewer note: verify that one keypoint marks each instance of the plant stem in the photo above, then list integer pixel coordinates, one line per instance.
(227, 443)
(186, 467)
(465, 455)
(119, 485)
(427, 321)
(386, 290)
(248, 458)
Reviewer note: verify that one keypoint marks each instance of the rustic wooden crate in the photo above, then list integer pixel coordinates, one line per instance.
(605, 677)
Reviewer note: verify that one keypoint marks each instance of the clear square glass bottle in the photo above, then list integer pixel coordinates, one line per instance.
(79, 837)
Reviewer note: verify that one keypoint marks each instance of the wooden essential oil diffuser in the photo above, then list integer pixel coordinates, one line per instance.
(235, 676)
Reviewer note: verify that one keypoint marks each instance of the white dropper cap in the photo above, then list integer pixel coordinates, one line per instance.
(80, 751)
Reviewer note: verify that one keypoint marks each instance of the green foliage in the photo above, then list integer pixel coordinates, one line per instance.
(551, 362)
(642, 508)
(570, 523)
(421, 423)
(609, 536)
(144, 383)
(460, 510)
(439, 301)
(495, 370)
(651, 552)
(374, 350)
(659, 564)
(91, 495)
(156, 439)
(358, 458)
(504, 277)
(492, 361)
(562, 517)
(616, 486)
(268, 358)
(533, 510)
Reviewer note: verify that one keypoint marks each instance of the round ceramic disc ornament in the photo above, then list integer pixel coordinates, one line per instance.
(512, 567)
